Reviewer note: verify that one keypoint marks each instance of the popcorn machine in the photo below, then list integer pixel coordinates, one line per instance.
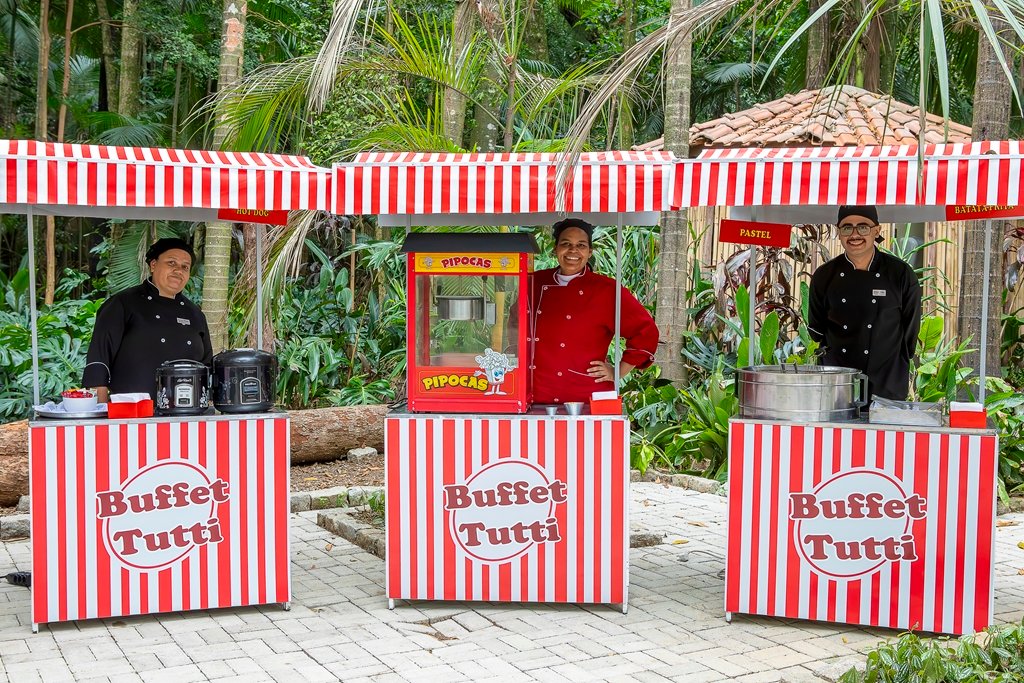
(467, 292)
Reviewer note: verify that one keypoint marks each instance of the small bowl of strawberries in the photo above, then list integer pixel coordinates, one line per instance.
(78, 400)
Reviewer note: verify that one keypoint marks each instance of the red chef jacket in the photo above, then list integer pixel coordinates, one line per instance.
(573, 325)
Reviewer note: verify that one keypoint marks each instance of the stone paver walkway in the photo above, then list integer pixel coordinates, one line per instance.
(339, 627)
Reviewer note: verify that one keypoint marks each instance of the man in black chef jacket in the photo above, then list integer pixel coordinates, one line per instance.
(140, 328)
(865, 307)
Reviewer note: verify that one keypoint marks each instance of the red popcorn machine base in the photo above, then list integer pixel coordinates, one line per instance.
(507, 509)
(862, 524)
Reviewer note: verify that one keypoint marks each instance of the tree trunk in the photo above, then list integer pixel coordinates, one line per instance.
(316, 435)
(991, 121)
(673, 269)
(131, 66)
(484, 136)
(66, 81)
(43, 72)
(819, 39)
(535, 33)
(869, 56)
(107, 48)
(463, 26)
(625, 115)
(217, 255)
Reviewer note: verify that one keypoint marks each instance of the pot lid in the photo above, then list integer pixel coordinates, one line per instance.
(236, 357)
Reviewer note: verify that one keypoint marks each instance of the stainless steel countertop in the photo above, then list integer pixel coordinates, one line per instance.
(877, 426)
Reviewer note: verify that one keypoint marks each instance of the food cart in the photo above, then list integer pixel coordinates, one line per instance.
(496, 503)
(848, 521)
(158, 514)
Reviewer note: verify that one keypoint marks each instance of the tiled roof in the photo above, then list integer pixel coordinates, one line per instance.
(832, 117)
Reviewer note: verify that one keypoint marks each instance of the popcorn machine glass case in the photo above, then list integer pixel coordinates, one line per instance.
(466, 292)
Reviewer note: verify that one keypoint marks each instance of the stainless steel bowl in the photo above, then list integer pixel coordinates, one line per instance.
(460, 307)
(804, 393)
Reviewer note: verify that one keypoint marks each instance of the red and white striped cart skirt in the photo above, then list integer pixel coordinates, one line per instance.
(509, 509)
(158, 515)
(862, 524)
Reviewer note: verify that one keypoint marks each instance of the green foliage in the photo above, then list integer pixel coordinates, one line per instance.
(375, 502)
(63, 331)
(938, 374)
(996, 654)
(683, 430)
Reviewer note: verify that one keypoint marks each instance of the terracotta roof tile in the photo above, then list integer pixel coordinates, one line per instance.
(844, 115)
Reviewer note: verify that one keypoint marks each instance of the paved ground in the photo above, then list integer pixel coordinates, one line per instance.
(339, 627)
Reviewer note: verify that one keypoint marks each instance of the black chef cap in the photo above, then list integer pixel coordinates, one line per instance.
(166, 244)
(866, 211)
(561, 226)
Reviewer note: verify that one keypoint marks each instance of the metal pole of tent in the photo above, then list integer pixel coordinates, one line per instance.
(34, 321)
(258, 229)
(753, 302)
(984, 311)
(617, 355)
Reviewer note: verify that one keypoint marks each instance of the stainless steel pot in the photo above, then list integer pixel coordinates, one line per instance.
(801, 393)
(460, 307)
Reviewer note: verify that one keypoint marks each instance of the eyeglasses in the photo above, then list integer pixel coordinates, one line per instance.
(861, 228)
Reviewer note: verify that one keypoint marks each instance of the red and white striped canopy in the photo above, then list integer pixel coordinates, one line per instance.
(139, 182)
(801, 182)
(518, 189)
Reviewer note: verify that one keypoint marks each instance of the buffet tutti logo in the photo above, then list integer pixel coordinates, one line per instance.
(855, 522)
(504, 509)
(151, 524)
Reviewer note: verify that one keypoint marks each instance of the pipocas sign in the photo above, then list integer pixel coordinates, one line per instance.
(856, 522)
(151, 524)
(504, 509)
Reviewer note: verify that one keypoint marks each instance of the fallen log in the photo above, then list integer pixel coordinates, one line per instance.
(317, 435)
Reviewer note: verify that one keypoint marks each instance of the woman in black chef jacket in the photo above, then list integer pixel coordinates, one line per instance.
(140, 328)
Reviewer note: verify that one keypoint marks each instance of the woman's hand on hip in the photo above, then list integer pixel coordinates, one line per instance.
(600, 371)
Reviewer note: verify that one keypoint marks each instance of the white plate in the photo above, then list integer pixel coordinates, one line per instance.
(55, 411)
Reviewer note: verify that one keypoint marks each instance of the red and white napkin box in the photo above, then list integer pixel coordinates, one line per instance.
(121, 406)
(967, 415)
(605, 403)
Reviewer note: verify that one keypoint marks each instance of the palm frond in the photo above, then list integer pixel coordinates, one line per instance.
(337, 43)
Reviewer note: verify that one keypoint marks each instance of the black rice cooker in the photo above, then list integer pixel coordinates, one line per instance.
(244, 381)
(182, 388)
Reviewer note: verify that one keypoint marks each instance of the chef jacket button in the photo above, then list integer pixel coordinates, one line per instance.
(869, 326)
(556, 399)
(149, 298)
(878, 275)
(872, 301)
(865, 352)
(562, 345)
(844, 301)
(581, 292)
(533, 367)
(189, 342)
(158, 317)
(539, 312)
(568, 317)
(845, 327)
(844, 350)
(559, 374)
(842, 274)
(162, 340)
(182, 303)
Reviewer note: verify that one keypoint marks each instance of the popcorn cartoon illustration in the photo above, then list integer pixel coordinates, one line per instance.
(494, 366)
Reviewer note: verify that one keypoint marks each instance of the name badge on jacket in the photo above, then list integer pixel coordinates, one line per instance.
(186, 321)
(874, 292)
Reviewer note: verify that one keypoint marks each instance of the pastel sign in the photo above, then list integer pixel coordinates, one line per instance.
(855, 522)
(504, 509)
(151, 524)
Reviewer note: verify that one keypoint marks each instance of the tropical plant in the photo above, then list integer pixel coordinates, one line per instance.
(64, 328)
(996, 654)
(939, 373)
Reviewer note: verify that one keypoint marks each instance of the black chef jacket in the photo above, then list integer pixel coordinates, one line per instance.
(868, 320)
(137, 330)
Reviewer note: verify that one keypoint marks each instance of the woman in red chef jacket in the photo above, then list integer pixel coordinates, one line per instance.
(573, 322)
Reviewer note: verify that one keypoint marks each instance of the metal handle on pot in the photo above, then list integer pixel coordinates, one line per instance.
(862, 390)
